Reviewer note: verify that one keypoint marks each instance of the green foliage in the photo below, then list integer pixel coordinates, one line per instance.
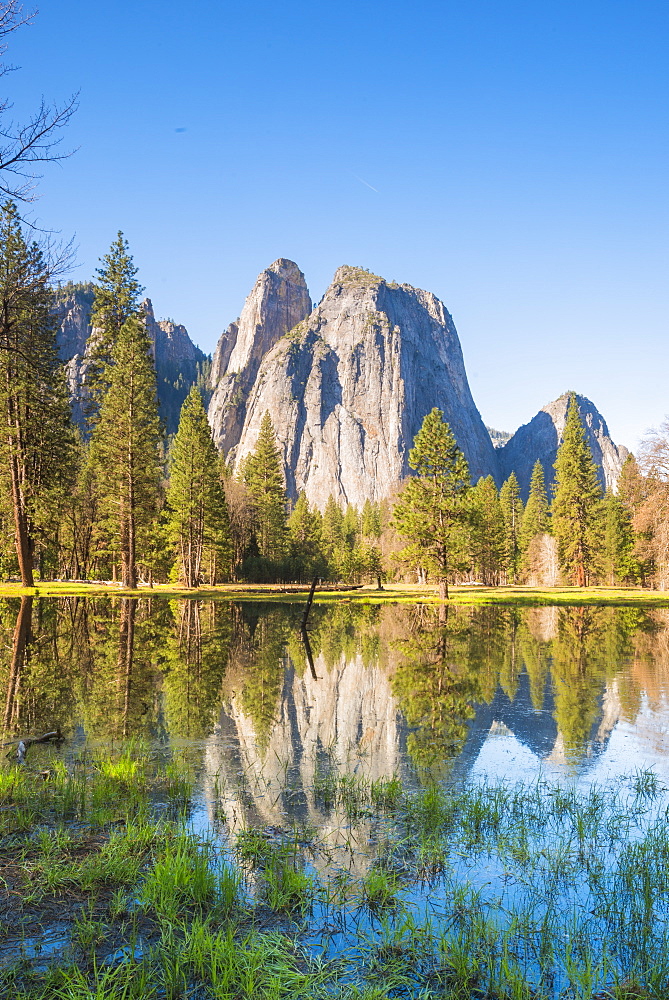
(197, 516)
(125, 450)
(512, 514)
(618, 562)
(536, 516)
(264, 479)
(487, 533)
(304, 534)
(577, 502)
(36, 440)
(431, 511)
(116, 300)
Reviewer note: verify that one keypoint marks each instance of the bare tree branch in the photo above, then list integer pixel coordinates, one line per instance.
(38, 139)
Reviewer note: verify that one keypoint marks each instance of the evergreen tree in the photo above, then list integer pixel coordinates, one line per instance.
(263, 475)
(536, 516)
(197, 513)
(618, 562)
(116, 299)
(125, 448)
(370, 520)
(307, 560)
(487, 534)
(36, 441)
(512, 513)
(332, 538)
(431, 510)
(577, 502)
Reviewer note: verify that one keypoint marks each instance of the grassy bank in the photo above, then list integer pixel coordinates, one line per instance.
(391, 593)
(526, 893)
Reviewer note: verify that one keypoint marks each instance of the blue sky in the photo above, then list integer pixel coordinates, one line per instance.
(510, 157)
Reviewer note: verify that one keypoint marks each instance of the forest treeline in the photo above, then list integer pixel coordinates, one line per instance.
(119, 501)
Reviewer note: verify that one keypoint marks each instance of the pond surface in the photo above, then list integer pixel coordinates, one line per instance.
(579, 694)
(541, 724)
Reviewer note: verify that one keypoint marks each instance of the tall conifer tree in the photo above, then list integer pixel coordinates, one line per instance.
(512, 513)
(488, 535)
(263, 475)
(431, 511)
(197, 511)
(536, 516)
(577, 502)
(117, 293)
(125, 448)
(36, 442)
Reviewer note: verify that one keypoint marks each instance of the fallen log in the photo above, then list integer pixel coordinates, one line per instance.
(22, 745)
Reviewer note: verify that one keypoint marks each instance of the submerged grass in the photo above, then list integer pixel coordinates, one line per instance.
(483, 892)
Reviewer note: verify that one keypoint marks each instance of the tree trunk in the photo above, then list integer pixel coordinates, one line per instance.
(19, 646)
(443, 589)
(24, 553)
(126, 646)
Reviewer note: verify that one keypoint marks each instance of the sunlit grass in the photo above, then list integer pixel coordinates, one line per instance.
(533, 892)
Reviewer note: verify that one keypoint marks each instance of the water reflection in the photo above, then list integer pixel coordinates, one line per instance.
(402, 690)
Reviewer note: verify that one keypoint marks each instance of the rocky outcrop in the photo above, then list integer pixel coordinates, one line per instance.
(178, 360)
(348, 388)
(541, 438)
(279, 300)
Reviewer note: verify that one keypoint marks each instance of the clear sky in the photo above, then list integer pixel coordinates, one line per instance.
(511, 157)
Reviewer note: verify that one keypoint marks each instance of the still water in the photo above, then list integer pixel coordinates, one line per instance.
(579, 694)
(550, 724)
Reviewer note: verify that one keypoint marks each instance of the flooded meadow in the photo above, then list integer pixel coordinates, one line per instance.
(412, 802)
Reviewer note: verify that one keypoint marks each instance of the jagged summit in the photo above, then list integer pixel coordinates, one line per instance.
(542, 436)
(349, 385)
(279, 299)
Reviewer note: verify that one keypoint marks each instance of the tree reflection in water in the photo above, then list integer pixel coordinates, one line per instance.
(158, 668)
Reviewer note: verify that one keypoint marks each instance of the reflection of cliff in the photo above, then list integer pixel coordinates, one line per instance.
(345, 720)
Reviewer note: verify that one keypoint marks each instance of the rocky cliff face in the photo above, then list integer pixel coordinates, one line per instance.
(541, 438)
(348, 388)
(177, 359)
(279, 300)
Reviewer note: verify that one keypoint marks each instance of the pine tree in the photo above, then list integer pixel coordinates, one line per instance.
(618, 562)
(332, 539)
(536, 516)
(197, 512)
(487, 533)
(125, 448)
(512, 513)
(370, 520)
(263, 475)
(431, 510)
(36, 441)
(116, 299)
(577, 502)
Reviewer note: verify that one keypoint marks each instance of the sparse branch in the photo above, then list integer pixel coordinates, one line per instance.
(653, 456)
(37, 140)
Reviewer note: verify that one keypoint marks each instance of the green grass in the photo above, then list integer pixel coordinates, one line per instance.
(392, 593)
(537, 892)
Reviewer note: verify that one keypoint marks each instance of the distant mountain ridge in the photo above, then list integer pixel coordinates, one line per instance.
(347, 385)
(179, 363)
(346, 382)
(542, 436)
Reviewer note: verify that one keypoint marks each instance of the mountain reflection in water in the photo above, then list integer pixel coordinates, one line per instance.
(398, 690)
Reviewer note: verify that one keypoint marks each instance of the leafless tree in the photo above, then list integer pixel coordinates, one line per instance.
(24, 145)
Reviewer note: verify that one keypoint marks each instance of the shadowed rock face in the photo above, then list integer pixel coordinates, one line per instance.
(349, 387)
(541, 438)
(279, 300)
(176, 356)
